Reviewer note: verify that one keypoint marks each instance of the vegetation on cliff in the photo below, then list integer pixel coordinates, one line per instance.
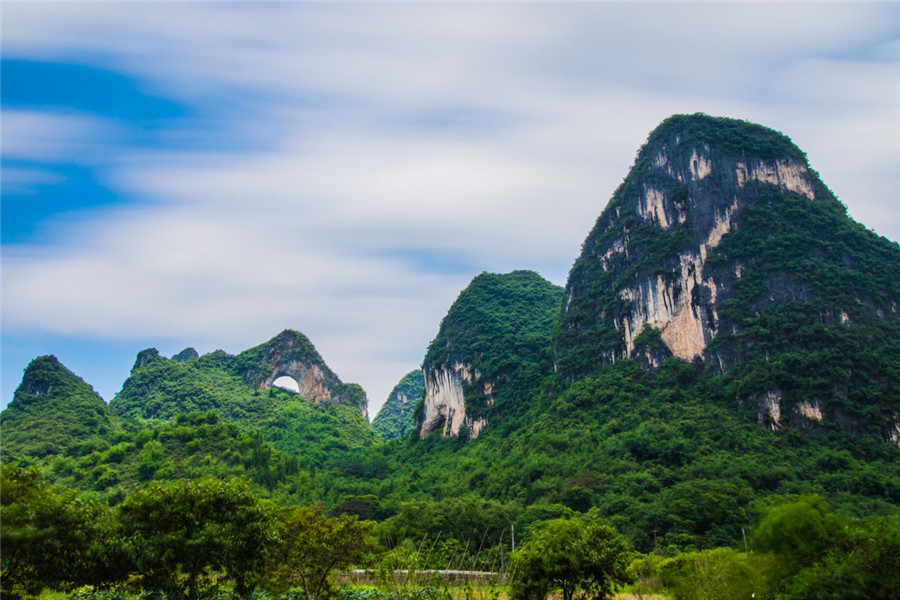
(499, 328)
(161, 389)
(396, 418)
(796, 301)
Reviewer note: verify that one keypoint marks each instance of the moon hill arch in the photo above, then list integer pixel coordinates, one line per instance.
(286, 382)
(290, 354)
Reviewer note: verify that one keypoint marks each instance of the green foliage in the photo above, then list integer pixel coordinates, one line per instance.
(714, 574)
(807, 298)
(161, 389)
(53, 408)
(736, 136)
(187, 533)
(499, 327)
(189, 446)
(418, 593)
(812, 312)
(309, 546)
(797, 531)
(663, 455)
(460, 532)
(818, 554)
(54, 537)
(396, 419)
(580, 557)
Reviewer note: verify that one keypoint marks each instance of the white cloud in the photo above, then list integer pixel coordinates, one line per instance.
(34, 135)
(19, 180)
(338, 141)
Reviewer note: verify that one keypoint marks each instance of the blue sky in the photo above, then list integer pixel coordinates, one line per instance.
(208, 174)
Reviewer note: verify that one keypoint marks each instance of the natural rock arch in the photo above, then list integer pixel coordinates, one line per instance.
(286, 382)
(310, 380)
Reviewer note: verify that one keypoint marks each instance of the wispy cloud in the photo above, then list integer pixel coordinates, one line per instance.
(32, 135)
(345, 169)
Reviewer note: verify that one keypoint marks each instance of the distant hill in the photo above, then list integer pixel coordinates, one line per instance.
(327, 415)
(161, 388)
(396, 418)
(51, 410)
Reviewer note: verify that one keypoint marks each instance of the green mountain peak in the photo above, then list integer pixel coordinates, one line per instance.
(52, 408)
(396, 419)
(493, 342)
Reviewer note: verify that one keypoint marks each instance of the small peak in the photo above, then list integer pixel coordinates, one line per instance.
(51, 409)
(289, 335)
(41, 374)
(186, 355)
(145, 357)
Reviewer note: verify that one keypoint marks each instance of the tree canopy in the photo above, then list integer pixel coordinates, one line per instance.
(581, 557)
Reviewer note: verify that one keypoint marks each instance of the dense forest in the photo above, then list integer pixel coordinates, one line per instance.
(766, 465)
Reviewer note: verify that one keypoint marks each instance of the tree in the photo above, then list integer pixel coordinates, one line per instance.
(310, 545)
(716, 573)
(52, 537)
(186, 532)
(798, 531)
(823, 555)
(583, 557)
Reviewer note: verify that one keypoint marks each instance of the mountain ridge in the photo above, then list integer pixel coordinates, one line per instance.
(585, 397)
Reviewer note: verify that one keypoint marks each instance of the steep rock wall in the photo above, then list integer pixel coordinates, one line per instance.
(489, 349)
(310, 379)
(444, 407)
(682, 301)
(723, 247)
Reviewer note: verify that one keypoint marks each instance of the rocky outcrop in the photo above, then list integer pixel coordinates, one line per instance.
(310, 379)
(291, 354)
(769, 409)
(186, 355)
(145, 357)
(444, 407)
(893, 435)
(690, 194)
(723, 247)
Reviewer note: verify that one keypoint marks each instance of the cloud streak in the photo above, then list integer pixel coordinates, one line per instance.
(345, 169)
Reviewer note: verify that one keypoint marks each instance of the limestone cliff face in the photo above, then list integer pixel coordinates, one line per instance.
(718, 247)
(654, 241)
(444, 407)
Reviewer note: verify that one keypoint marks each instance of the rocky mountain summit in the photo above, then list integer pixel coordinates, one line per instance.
(723, 246)
(291, 354)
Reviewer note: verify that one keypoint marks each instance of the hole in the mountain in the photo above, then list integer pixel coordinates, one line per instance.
(287, 383)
